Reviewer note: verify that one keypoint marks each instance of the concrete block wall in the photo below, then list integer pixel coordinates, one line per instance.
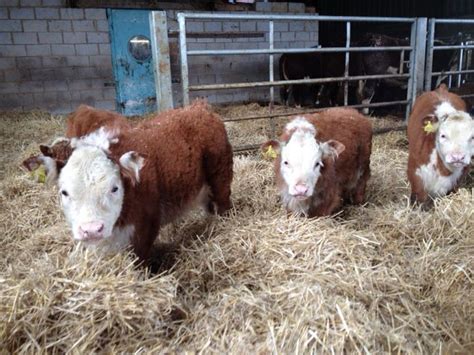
(53, 57)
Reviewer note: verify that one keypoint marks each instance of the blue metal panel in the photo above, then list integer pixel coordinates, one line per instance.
(132, 61)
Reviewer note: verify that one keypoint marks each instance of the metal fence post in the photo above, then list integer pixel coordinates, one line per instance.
(161, 60)
(271, 75)
(417, 61)
(420, 52)
(429, 54)
(184, 58)
(411, 80)
(346, 63)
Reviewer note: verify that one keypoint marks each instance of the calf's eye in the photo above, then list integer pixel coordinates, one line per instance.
(285, 162)
(114, 189)
(443, 136)
(64, 193)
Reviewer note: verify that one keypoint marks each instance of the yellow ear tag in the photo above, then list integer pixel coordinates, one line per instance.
(429, 128)
(39, 174)
(270, 153)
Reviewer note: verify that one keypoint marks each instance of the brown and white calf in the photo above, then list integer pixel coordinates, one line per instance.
(87, 119)
(121, 189)
(80, 123)
(323, 161)
(441, 144)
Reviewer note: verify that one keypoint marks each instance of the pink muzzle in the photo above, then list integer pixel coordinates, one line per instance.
(91, 231)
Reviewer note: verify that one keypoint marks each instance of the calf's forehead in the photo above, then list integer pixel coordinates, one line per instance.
(88, 167)
(461, 126)
(301, 147)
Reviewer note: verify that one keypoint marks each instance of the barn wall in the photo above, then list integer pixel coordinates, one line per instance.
(52, 57)
(55, 58)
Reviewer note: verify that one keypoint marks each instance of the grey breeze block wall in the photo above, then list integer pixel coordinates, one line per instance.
(55, 58)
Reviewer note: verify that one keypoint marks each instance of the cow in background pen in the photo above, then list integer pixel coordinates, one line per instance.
(329, 65)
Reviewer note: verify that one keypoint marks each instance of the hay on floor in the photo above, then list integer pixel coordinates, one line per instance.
(381, 277)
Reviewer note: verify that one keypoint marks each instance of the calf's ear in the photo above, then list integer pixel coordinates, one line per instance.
(131, 163)
(270, 149)
(332, 148)
(45, 150)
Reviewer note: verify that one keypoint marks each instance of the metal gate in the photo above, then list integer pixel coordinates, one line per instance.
(463, 51)
(414, 76)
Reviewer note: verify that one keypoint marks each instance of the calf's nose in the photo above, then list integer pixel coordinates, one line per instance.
(301, 189)
(457, 158)
(91, 230)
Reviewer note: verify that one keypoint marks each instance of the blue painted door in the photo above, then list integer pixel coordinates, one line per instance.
(132, 61)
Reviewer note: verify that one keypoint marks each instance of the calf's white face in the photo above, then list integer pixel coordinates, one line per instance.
(92, 194)
(455, 136)
(92, 191)
(302, 158)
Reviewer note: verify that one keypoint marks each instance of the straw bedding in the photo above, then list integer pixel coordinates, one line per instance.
(382, 277)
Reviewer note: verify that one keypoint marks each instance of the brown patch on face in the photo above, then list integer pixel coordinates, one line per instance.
(443, 170)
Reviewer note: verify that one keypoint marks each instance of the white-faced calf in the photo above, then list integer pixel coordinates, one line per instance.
(323, 161)
(441, 145)
(117, 189)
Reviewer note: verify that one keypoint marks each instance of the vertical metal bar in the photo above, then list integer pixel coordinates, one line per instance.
(460, 63)
(272, 89)
(410, 89)
(429, 54)
(184, 58)
(420, 56)
(417, 62)
(161, 60)
(346, 64)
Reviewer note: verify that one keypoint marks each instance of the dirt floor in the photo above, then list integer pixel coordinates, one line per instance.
(377, 278)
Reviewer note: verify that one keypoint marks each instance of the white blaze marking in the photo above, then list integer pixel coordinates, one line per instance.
(101, 138)
(300, 164)
(444, 110)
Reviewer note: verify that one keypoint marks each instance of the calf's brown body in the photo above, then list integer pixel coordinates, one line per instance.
(422, 143)
(187, 151)
(343, 179)
(87, 119)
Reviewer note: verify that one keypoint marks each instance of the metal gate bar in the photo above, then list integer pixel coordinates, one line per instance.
(296, 81)
(221, 16)
(417, 32)
(283, 114)
(431, 47)
(296, 50)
